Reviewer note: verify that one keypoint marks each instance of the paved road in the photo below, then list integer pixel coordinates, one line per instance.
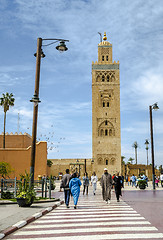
(93, 219)
(148, 203)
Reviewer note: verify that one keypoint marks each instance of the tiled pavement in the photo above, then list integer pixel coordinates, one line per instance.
(93, 219)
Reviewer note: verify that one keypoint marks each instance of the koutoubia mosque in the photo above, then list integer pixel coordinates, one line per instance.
(106, 131)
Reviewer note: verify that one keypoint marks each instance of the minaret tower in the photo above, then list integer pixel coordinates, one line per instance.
(106, 132)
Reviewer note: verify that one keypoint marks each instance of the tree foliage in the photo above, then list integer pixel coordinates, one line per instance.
(5, 169)
(49, 163)
(130, 160)
(6, 101)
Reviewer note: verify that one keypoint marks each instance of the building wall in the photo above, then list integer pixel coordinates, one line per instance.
(130, 169)
(106, 137)
(60, 166)
(16, 140)
(19, 158)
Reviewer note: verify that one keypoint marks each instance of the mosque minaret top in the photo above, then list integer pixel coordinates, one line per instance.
(104, 42)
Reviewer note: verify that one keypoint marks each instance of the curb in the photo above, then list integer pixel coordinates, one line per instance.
(20, 224)
(40, 201)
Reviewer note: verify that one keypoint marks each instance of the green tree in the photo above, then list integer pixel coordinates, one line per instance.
(130, 160)
(6, 101)
(135, 145)
(122, 160)
(49, 163)
(160, 169)
(5, 169)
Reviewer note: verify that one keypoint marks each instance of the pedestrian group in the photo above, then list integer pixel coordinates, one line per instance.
(72, 183)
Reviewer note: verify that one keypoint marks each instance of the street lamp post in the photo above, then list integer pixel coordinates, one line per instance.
(61, 47)
(146, 147)
(151, 107)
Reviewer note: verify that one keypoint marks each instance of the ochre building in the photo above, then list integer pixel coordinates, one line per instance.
(106, 137)
(18, 154)
(106, 132)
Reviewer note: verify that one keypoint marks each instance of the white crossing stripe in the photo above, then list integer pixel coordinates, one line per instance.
(117, 217)
(87, 230)
(77, 220)
(105, 237)
(88, 213)
(91, 224)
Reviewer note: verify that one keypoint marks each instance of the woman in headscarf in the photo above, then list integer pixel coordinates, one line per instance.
(74, 186)
(118, 184)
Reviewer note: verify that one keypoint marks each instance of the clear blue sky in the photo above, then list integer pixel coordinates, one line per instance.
(135, 29)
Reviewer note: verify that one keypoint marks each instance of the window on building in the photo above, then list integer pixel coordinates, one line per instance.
(108, 78)
(103, 78)
(102, 132)
(106, 162)
(106, 122)
(102, 58)
(103, 104)
(106, 132)
(107, 58)
(107, 104)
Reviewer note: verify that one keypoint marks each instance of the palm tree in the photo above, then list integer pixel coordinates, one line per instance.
(130, 160)
(6, 101)
(135, 145)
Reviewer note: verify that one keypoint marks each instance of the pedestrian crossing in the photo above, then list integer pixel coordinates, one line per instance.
(93, 219)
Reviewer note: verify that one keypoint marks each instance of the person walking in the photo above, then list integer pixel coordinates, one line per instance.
(74, 186)
(161, 179)
(94, 180)
(113, 181)
(133, 180)
(85, 183)
(118, 184)
(65, 185)
(106, 184)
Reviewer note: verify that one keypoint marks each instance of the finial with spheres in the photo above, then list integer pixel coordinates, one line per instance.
(104, 38)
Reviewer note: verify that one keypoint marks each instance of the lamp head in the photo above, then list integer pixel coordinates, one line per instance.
(155, 106)
(62, 47)
(35, 100)
(146, 143)
(42, 54)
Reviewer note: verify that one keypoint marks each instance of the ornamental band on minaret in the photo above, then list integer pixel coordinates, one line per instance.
(106, 132)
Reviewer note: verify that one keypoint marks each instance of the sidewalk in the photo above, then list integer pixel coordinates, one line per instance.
(12, 216)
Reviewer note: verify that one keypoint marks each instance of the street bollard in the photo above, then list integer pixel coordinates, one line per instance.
(45, 187)
(15, 189)
(1, 186)
(42, 188)
(50, 188)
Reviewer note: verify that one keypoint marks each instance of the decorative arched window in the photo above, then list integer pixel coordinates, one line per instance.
(98, 78)
(107, 58)
(110, 132)
(112, 161)
(106, 132)
(102, 58)
(106, 122)
(102, 132)
(107, 78)
(103, 104)
(99, 160)
(103, 78)
(106, 162)
(112, 78)
(107, 104)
